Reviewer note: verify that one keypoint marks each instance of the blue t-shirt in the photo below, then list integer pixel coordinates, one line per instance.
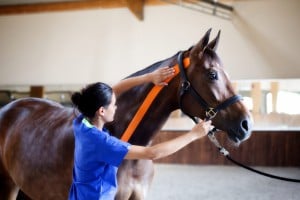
(96, 159)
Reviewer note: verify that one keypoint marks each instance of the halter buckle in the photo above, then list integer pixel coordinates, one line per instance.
(185, 85)
(210, 113)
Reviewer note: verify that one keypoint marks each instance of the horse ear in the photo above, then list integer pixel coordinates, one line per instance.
(204, 41)
(199, 47)
(213, 45)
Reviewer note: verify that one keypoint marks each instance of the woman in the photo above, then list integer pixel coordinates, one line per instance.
(97, 154)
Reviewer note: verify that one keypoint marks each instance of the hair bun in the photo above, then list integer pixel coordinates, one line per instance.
(76, 98)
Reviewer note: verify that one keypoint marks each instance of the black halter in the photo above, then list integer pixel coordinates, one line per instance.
(211, 113)
(186, 87)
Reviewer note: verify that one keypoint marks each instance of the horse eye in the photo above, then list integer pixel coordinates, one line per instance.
(212, 75)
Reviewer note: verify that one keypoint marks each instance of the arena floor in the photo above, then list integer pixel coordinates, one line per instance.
(189, 182)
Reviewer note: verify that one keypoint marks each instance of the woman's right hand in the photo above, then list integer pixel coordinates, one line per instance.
(202, 128)
(159, 76)
(171, 146)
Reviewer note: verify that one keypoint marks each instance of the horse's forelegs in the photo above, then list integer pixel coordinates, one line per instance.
(132, 192)
(134, 178)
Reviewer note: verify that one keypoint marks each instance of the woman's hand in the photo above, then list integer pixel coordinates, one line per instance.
(159, 76)
(202, 128)
(169, 147)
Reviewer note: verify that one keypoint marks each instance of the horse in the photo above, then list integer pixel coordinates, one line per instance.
(37, 141)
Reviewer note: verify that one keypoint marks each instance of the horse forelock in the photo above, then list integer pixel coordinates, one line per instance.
(211, 53)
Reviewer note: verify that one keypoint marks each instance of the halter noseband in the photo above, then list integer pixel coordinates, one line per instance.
(186, 86)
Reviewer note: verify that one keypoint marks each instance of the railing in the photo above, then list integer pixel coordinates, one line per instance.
(270, 101)
(61, 96)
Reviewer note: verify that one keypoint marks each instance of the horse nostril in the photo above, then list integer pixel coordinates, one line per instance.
(244, 125)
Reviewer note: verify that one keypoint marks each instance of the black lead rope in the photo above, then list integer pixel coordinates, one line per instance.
(263, 173)
(225, 153)
(210, 113)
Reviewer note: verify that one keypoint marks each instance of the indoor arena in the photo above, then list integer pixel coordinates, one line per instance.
(149, 100)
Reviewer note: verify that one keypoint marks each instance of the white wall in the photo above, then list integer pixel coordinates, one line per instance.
(78, 47)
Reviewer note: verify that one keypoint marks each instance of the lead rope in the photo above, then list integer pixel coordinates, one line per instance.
(211, 113)
(224, 152)
(213, 139)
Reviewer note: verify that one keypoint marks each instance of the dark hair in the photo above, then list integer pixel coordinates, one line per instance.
(91, 98)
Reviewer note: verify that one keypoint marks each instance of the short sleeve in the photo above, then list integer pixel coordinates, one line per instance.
(110, 149)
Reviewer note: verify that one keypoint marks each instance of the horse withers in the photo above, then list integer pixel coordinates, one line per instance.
(37, 142)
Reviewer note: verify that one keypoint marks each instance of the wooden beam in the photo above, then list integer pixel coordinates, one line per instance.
(60, 6)
(136, 7)
(73, 5)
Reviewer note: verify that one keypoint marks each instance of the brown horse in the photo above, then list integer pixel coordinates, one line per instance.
(37, 142)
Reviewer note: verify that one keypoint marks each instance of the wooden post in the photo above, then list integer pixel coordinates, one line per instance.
(274, 91)
(256, 97)
(37, 91)
(176, 114)
(235, 86)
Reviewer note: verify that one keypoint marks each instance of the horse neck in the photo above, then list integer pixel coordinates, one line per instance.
(155, 117)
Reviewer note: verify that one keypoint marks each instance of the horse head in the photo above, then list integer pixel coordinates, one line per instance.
(206, 91)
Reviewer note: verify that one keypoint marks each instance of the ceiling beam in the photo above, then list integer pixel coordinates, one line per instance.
(135, 6)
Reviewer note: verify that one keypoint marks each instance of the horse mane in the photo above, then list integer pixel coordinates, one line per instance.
(166, 62)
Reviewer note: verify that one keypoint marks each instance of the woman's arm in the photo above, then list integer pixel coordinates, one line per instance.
(169, 147)
(157, 77)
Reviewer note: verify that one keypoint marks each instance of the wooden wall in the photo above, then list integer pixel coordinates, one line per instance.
(263, 148)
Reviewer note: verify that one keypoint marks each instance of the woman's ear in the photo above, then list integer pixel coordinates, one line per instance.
(101, 111)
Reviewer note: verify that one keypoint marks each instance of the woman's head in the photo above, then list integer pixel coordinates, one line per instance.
(91, 98)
